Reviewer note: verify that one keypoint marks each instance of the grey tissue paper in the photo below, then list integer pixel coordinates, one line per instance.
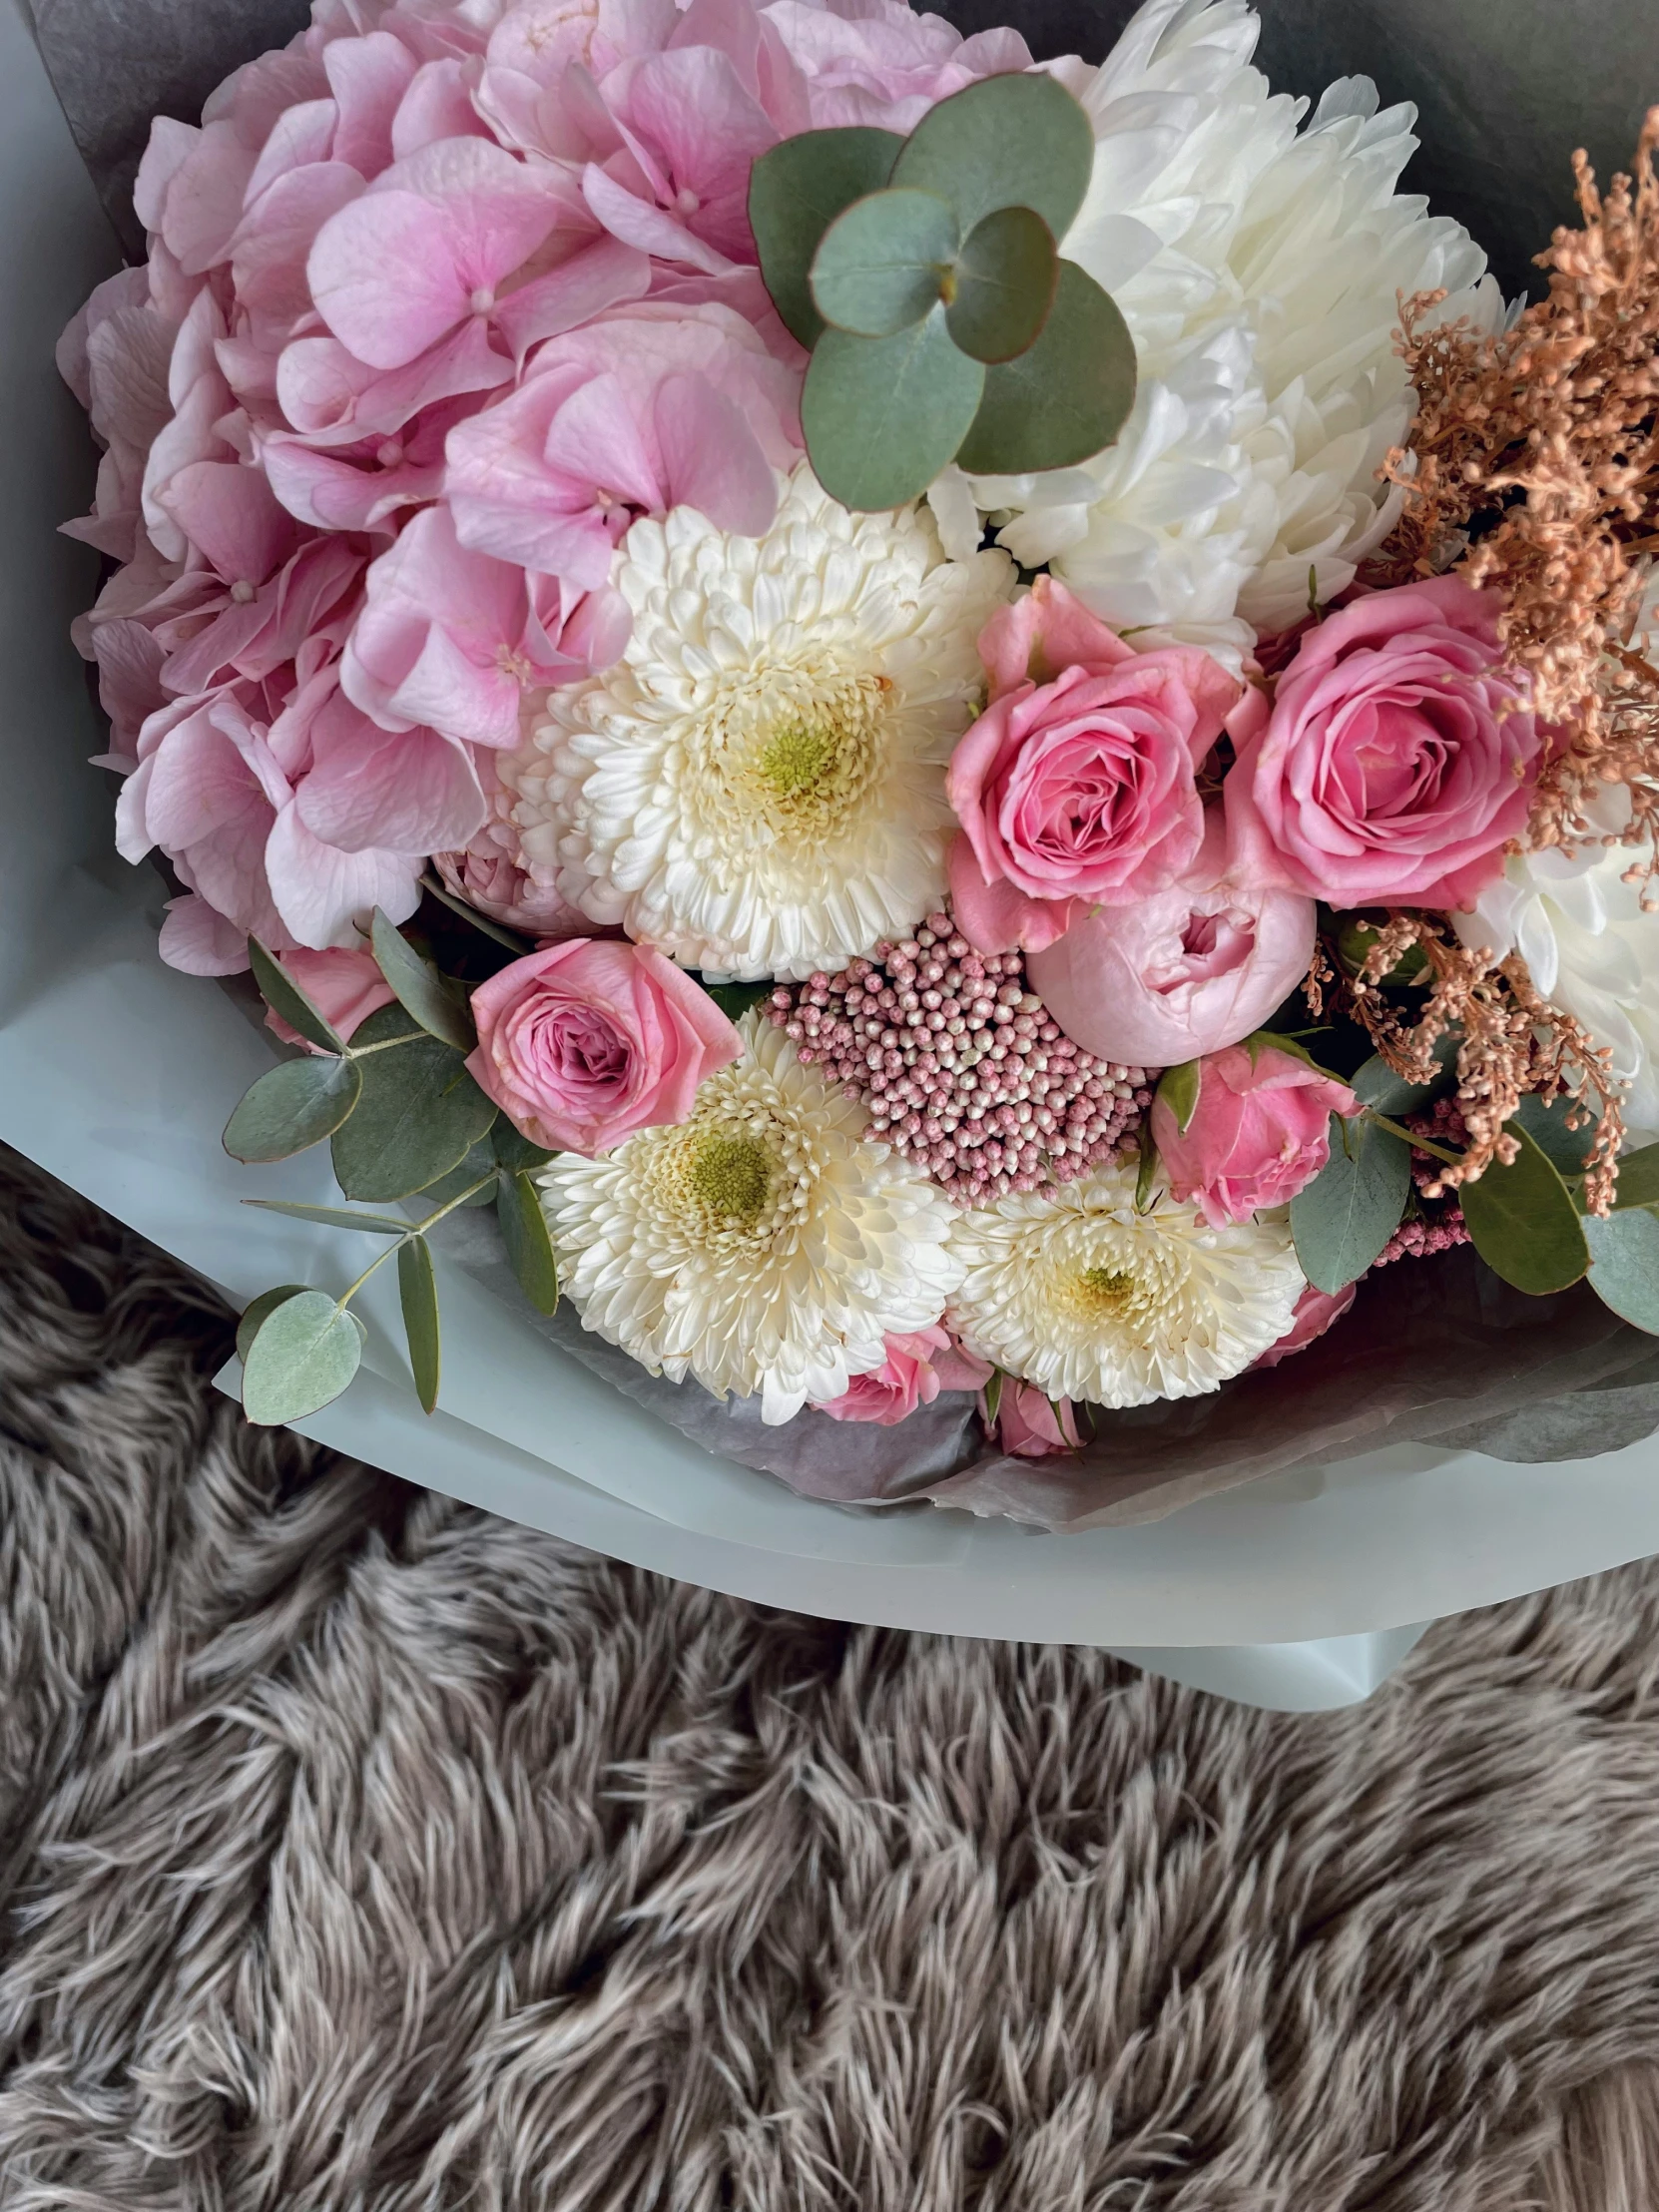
(1436, 1352)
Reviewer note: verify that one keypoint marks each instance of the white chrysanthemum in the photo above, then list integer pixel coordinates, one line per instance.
(758, 788)
(1257, 267)
(1073, 1290)
(762, 1245)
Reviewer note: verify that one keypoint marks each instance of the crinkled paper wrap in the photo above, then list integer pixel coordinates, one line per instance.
(1434, 1352)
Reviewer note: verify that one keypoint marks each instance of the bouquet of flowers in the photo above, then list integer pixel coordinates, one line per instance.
(955, 727)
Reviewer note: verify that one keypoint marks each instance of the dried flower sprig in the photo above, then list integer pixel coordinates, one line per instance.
(1535, 462)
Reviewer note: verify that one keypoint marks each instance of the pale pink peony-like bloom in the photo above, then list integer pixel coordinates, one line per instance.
(1316, 1312)
(490, 874)
(919, 1364)
(1179, 974)
(344, 984)
(1077, 785)
(1259, 1133)
(1396, 762)
(1031, 1425)
(581, 1044)
(656, 406)
(884, 63)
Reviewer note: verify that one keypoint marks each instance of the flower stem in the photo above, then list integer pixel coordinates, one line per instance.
(1398, 1129)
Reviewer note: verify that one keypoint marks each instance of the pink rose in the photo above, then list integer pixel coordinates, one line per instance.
(1395, 763)
(1181, 974)
(1315, 1311)
(1259, 1133)
(1078, 783)
(346, 987)
(918, 1368)
(582, 1043)
(1029, 1425)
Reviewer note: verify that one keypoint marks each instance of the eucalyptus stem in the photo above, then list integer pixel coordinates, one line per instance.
(1398, 1129)
(416, 1229)
(387, 1044)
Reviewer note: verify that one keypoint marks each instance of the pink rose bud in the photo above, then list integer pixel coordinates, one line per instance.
(1315, 1311)
(582, 1043)
(1259, 1133)
(1181, 974)
(1078, 783)
(919, 1364)
(344, 986)
(1030, 1426)
(1396, 762)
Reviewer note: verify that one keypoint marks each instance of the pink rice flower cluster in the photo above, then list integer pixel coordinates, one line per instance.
(961, 1067)
(1439, 1227)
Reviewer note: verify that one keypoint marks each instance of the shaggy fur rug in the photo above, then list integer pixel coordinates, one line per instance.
(359, 1853)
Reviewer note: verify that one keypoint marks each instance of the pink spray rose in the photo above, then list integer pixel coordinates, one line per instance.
(918, 1366)
(1078, 783)
(345, 985)
(1316, 1312)
(582, 1043)
(1395, 763)
(1259, 1133)
(1030, 1426)
(1179, 974)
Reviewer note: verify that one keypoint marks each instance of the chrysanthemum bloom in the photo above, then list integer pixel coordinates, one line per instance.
(762, 1245)
(1073, 1290)
(758, 787)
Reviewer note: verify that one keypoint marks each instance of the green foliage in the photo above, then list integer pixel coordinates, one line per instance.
(1355, 939)
(1624, 1265)
(477, 1166)
(924, 276)
(1568, 1148)
(302, 1354)
(1067, 397)
(1524, 1223)
(1638, 1179)
(883, 417)
(795, 192)
(297, 1105)
(285, 997)
(514, 1150)
(417, 1294)
(1376, 1085)
(441, 1009)
(420, 1114)
(737, 999)
(1178, 1088)
(1351, 1209)
(529, 1246)
(885, 262)
(259, 1310)
(333, 1217)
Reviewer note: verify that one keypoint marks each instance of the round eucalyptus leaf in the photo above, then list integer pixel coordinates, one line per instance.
(1638, 1178)
(301, 1356)
(1523, 1223)
(1006, 142)
(297, 1105)
(419, 1115)
(883, 417)
(259, 1310)
(883, 263)
(795, 191)
(1624, 1265)
(1005, 278)
(1351, 1209)
(1067, 397)
(439, 1007)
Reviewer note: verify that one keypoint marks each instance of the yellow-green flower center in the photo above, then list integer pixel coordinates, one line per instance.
(798, 757)
(732, 1177)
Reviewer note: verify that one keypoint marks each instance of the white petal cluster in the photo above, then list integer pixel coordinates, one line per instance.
(758, 788)
(762, 1245)
(1257, 265)
(1073, 1290)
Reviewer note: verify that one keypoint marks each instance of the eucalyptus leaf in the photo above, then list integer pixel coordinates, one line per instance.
(301, 1356)
(1067, 396)
(420, 991)
(1013, 141)
(294, 1107)
(795, 191)
(514, 1150)
(1624, 1265)
(1004, 284)
(333, 1217)
(524, 1230)
(883, 417)
(1178, 1088)
(737, 999)
(285, 997)
(1351, 1209)
(1523, 1222)
(417, 1294)
(1568, 1148)
(258, 1309)
(419, 1115)
(883, 263)
(479, 1163)
(1376, 1085)
(1638, 1179)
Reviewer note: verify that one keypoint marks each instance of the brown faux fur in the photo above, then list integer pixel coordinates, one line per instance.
(359, 1853)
